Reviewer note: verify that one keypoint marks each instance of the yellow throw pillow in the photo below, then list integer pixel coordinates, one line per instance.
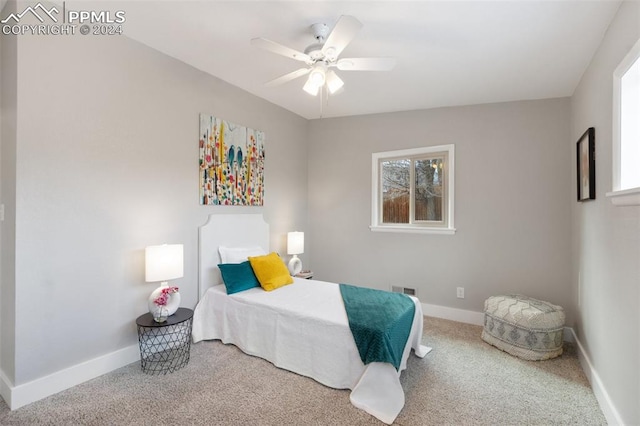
(271, 271)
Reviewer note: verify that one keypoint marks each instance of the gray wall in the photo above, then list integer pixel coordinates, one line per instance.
(106, 164)
(606, 239)
(512, 203)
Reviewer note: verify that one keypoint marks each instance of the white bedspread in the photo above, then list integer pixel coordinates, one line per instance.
(303, 327)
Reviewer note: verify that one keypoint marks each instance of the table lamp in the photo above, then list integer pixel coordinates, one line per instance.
(295, 246)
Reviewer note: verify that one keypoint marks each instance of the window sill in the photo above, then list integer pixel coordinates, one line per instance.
(627, 197)
(413, 230)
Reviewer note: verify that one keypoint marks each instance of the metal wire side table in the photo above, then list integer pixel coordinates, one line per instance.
(165, 346)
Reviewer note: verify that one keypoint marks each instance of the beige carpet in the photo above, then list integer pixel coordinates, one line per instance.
(463, 381)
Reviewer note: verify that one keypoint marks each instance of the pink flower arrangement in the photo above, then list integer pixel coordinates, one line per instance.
(164, 295)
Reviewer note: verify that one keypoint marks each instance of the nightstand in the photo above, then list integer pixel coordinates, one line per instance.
(165, 346)
(307, 275)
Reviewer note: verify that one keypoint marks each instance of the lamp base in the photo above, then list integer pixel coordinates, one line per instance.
(295, 265)
(172, 304)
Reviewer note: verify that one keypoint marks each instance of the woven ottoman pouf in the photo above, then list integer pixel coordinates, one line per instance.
(528, 328)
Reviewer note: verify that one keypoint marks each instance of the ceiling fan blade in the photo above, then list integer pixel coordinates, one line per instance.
(343, 32)
(288, 77)
(278, 48)
(366, 64)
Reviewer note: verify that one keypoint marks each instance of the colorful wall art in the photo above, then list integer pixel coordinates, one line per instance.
(231, 163)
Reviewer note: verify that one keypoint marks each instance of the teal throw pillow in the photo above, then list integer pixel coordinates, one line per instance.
(238, 277)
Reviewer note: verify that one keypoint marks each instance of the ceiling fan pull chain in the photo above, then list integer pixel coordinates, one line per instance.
(327, 94)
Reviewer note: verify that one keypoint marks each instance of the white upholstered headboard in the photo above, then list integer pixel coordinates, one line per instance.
(229, 230)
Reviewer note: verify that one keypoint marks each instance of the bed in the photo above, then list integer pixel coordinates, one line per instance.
(301, 327)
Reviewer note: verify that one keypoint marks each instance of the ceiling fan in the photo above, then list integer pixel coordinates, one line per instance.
(322, 56)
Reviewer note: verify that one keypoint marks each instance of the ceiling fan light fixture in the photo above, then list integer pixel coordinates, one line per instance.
(317, 78)
(311, 88)
(318, 74)
(334, 83)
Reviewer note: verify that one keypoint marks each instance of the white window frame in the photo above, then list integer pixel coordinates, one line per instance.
(420, 227)
(621, 196)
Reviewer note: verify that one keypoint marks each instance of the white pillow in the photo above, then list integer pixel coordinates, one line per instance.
(239, 254)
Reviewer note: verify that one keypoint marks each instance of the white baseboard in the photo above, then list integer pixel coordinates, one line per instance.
(453, 314)
(609, 410)
(21, 395)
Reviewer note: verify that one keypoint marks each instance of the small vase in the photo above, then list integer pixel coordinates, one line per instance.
(160, 314)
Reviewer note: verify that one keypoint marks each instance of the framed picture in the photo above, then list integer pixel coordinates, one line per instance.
(231, 163)
(586, 153)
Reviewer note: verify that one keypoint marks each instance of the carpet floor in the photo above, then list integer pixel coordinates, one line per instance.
(463, 381)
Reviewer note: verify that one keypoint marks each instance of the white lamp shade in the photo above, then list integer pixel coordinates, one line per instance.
(311, 88)
(318, 74)
(295, 242)
(164, 263)
(334, 83)
(317, 78)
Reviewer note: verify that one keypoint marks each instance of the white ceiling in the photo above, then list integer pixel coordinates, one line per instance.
(448, 52)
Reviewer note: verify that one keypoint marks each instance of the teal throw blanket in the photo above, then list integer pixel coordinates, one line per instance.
(380, 322)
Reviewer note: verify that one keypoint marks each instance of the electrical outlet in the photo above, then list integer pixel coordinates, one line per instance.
(460, 292)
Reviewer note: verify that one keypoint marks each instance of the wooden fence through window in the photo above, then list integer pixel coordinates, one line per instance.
(396, 210)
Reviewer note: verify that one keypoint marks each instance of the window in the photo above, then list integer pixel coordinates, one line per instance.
(412, 190)
(626, 130)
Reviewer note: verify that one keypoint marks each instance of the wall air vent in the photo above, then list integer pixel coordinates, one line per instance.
(404, 290)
